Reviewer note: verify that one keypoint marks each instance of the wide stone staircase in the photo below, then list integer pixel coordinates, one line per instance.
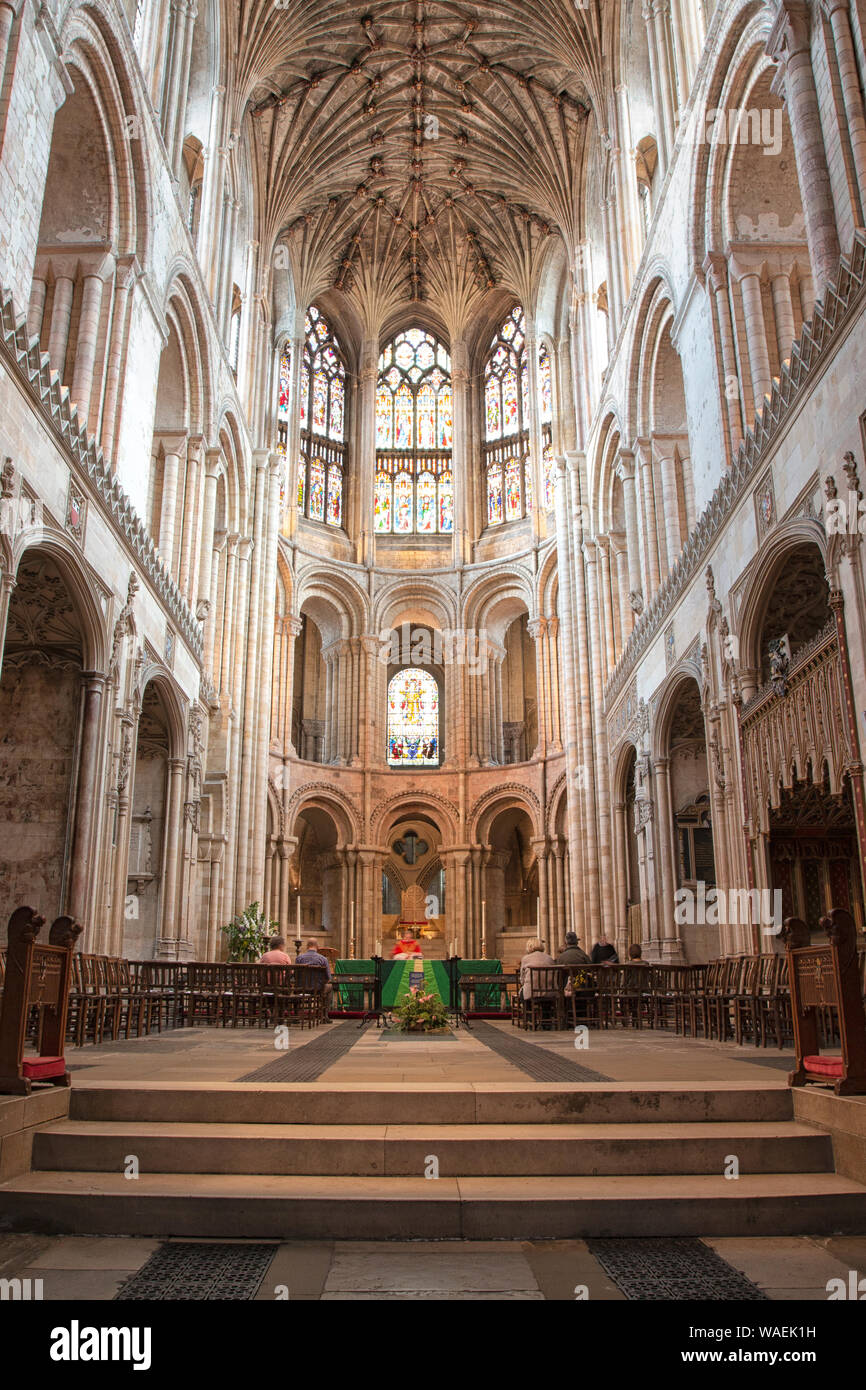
(514, 1161)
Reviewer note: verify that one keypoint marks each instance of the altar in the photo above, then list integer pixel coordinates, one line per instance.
(398, 977)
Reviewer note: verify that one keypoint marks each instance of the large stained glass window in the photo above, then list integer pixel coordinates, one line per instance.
(322, 408)
(506, 423)
(414, 492)
(413, 719)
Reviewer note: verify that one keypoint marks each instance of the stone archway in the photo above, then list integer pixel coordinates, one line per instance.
(41, 704)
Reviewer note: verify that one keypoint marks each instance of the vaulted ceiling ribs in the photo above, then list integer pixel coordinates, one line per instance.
(417, 148)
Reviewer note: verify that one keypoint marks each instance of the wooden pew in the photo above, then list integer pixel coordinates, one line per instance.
(827, 977)
(38, 975)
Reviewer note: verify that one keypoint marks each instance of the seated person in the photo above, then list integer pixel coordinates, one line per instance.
(275, 954)
(406, 949)
(604, 952)
(535, 956)
(311, 956)
(571, 954)
(635, 955)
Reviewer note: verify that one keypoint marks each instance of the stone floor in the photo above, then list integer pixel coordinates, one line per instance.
(81, 1267)
(94, 1267)
(217, 1054)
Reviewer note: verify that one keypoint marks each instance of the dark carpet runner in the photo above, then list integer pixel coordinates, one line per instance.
(537, 1062)
(307, 1063)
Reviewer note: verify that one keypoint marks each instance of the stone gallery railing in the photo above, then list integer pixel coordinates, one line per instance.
(26, 361)
(808, 354)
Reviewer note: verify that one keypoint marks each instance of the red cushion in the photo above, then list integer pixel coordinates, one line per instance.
(823, 1066)
(40, 1068)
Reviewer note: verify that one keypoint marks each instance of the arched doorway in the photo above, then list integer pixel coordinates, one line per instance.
(42, 703)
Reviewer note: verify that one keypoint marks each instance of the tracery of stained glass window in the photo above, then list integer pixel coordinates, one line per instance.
(317, 490)
(494, 494)
(335, 495)
(426, 495)
(403, 503)
(506, 422)
(549, 469)
(322, 412)
(413, 719)
(513, 499)
(545, 387)
(446, 502)
(382, 502)
(414, 434)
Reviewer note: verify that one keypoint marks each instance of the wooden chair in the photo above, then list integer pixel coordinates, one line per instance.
(545, 1005)
(206, 984)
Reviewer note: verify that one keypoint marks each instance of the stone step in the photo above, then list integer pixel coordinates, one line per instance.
(381, 1208)
(448, 1103)
(405, 1150)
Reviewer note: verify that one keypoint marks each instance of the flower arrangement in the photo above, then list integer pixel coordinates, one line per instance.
(420, 1012)
(248, 934)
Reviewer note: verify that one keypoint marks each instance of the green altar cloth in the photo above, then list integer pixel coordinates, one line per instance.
(396, 979)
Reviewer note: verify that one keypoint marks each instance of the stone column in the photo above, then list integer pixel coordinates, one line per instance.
(537, 629)
(39, 288)
(86, 796)
(585, 786)
(599, 740)
(756, 336)
(626, 179)
(264, 684)
(365, 454)
(247, 338)
(544, 926)
(175, 451)
(191, 520)
(61, 313)
(621, 859)
(852, 95)
(171, 849)
(716, 271)
(789, 44)
(125, 771)
(625, 611)
(669, 943)
(125, 276)
(643, 452)
(564, 548)
(605, 591)
(671, 507)
(246, 785)
(783, 308)
(212, 460)
(554, 686)
(625, 468)
(461, 452)
(215, 157)
(538, 522)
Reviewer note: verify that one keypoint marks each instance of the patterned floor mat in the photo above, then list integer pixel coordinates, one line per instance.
(190, 1271)
(665, 1270)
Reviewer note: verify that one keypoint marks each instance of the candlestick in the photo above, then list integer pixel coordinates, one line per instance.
(298, 915)
(483, 929)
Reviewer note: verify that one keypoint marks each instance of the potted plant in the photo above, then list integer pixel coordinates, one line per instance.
(420, 1012)
(248, 934)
